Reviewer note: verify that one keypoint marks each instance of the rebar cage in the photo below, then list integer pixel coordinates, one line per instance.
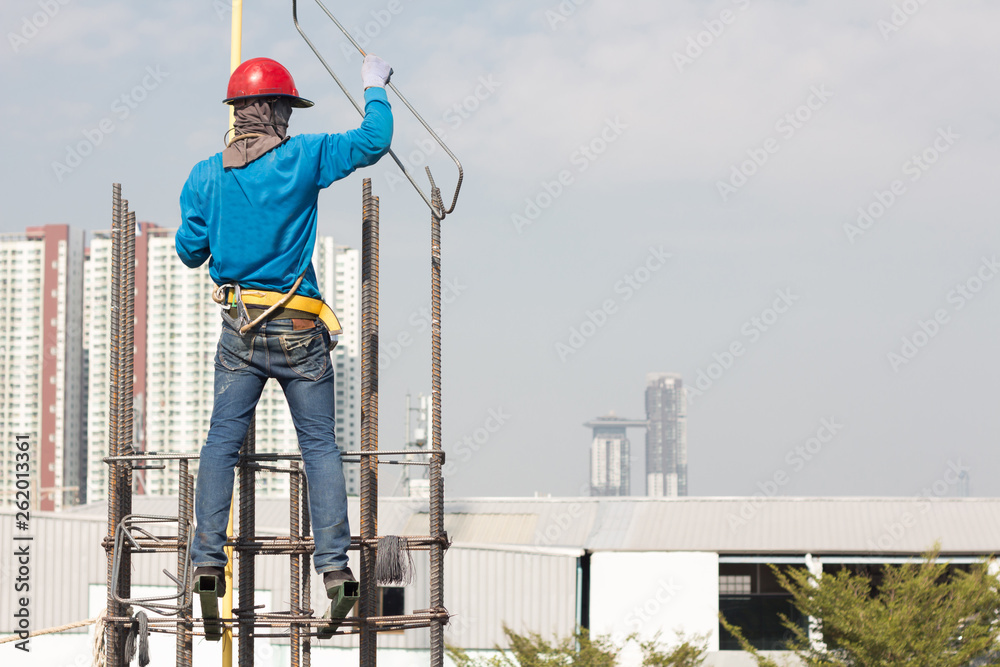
(132, 535)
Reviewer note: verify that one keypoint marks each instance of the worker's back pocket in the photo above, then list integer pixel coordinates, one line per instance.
(306, 353)
(235, 352)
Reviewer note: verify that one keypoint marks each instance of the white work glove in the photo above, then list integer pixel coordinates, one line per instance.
(375, 72)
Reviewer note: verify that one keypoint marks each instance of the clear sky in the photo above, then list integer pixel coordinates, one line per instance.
(792, 202)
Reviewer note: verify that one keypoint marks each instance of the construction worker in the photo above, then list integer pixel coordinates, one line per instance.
(251, 212)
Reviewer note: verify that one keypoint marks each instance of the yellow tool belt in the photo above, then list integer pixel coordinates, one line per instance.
(306, 304)
(265, 299)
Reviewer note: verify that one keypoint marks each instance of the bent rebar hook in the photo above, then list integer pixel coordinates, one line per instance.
(439, 214)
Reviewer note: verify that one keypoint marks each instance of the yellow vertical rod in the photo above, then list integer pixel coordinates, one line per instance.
(236, 46)
(227, 599)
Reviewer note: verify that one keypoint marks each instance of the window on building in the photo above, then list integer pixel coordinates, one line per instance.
(751, 598)
(390, 601)
(735, 584)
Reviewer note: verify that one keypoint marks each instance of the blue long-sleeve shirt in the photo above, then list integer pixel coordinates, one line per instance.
(258, 222)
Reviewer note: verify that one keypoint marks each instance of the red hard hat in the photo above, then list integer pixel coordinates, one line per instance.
(263, 77)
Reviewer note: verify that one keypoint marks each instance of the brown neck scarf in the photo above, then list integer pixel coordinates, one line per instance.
(265, 120)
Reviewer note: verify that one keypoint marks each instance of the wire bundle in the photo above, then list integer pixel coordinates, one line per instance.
(393, 560)
(138, 634)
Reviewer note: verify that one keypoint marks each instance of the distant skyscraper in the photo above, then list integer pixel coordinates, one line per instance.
(41, 364)
(666, 436)
(610, 469)
(964, 486)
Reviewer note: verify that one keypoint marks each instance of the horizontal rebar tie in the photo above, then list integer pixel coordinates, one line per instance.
(273, 457)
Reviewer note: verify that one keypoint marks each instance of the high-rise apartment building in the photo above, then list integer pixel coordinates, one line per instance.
(97, 354)
(346, 301)
(610, 456)
(41, 364)
(666, 435)
(181, 332)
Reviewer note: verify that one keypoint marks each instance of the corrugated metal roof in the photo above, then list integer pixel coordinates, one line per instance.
(479, 528)
(755, 525)
(723, 525)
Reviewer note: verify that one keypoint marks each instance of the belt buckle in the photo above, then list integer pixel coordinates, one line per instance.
(243, 317)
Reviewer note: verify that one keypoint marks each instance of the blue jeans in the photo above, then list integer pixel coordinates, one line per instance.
(300, 361)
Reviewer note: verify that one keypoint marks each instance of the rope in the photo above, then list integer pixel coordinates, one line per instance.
(393, 561)
(229, 142)
(285, 299)
(100, 652)
(49, 631)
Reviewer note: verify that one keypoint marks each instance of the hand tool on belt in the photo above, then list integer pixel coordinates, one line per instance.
(232, 295)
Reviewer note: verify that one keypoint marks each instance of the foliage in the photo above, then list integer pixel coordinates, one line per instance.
(532, 650)
(582, 650)
(922, 614)
(687, 652)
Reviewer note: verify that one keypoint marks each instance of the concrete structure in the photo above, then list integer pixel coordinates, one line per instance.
(610, 455)
(614, 565)
(666, 436)
(177, 331)
(41, 363)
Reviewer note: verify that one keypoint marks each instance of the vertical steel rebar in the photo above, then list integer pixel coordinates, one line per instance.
(185, 502)
(125, 412)
(306, 571)
(120, 410)
(126, 367)
(248, 533)
(436, 480)
(127, 394)
(295, 583)
(112, 633)
(369, 419)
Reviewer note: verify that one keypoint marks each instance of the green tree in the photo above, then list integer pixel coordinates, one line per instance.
(686, 652)
(532, 650)
(923, 614)
(582, 650)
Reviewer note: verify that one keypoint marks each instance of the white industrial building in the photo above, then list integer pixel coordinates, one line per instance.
(614, 565)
